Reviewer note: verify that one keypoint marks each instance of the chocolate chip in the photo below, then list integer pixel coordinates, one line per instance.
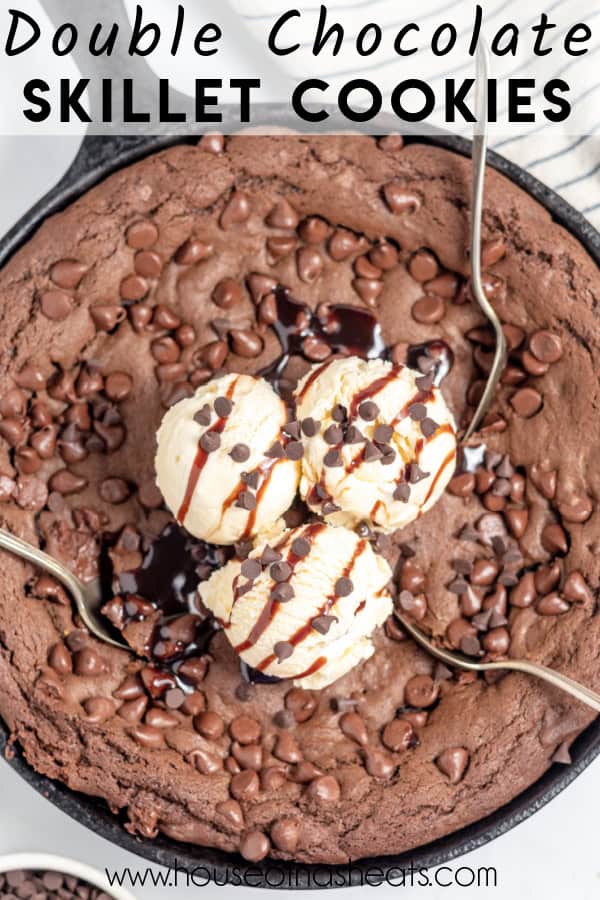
(251, 479)
(315, 349)
(470, 645)
(425, 382)
(246, 343)
(322, 624)
(60, 659)
(368, 289)
(423, 266)
(245, 730)
(300, 547)
(276, 451)
(490, 527)
(56, 305)
(442, 672)
(329, 507)
(294, 450)
(429, 427)
(114, 490)
(415, 606)
(453, 763)
(133, 288)
(251, 568)
(223, 407)
(309, 264)
(313, 230)
(416, 474)
(309, 426)
(332, 459)
(88, 663)
(285, 834)
(280, 571)
(353, 726)
(245, 785)
(365, 269)
(269, 555)
(65, 482)
(292, 429)
(148, 736)
(236, 210)
(399, 735)
(203, 416)
(246, 500)
(526, 402)
(354, 435)
(552, 605)
(192, 251)
(402, 492)
(333, 434)
(142, 235)
(283, 593)
(343, 587)
(554, 538)
(283, 718)
(283, 215)
(325, 789)
(421, 691)
(368, 410)
(283, 650)
(372, 452)
(255, 846)
(209, 724)
(210, 441)
(67, 273)
(428, 310)
(228, 293)
(399, 200)
(377, 764)
(383, 433)
(546, 346)
(240, 453)
(31, 377)
(576, 509)
(99, 709)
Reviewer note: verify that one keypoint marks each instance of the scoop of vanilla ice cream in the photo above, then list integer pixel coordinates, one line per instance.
(379, 442)
(305, 606)
(223, 463)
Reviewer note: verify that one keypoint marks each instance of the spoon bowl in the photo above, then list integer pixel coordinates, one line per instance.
(87, 596)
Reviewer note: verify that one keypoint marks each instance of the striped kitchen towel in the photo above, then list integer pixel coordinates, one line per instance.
(566, 157)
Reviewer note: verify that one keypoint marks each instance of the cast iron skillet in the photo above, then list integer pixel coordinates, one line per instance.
(98, 157)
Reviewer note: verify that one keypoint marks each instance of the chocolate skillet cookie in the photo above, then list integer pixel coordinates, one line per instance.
(224, 256)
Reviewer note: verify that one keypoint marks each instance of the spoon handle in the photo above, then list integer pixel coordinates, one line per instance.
(479, 155)
(551, 676)
(556, 679)
(36, 556)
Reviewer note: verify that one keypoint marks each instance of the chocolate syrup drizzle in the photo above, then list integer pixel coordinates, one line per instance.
(347, 330)
(175, 563)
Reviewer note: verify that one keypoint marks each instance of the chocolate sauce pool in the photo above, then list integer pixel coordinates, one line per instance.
(348, 330)
(171, 571)
(175, 563)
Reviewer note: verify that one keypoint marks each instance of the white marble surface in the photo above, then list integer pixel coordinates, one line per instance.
(552, 855)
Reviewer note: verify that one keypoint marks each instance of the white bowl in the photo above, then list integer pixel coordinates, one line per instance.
(49, 862)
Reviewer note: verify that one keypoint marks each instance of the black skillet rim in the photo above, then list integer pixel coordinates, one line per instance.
(97, 158)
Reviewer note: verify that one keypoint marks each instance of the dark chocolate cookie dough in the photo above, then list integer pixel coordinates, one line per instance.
(140, 291)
